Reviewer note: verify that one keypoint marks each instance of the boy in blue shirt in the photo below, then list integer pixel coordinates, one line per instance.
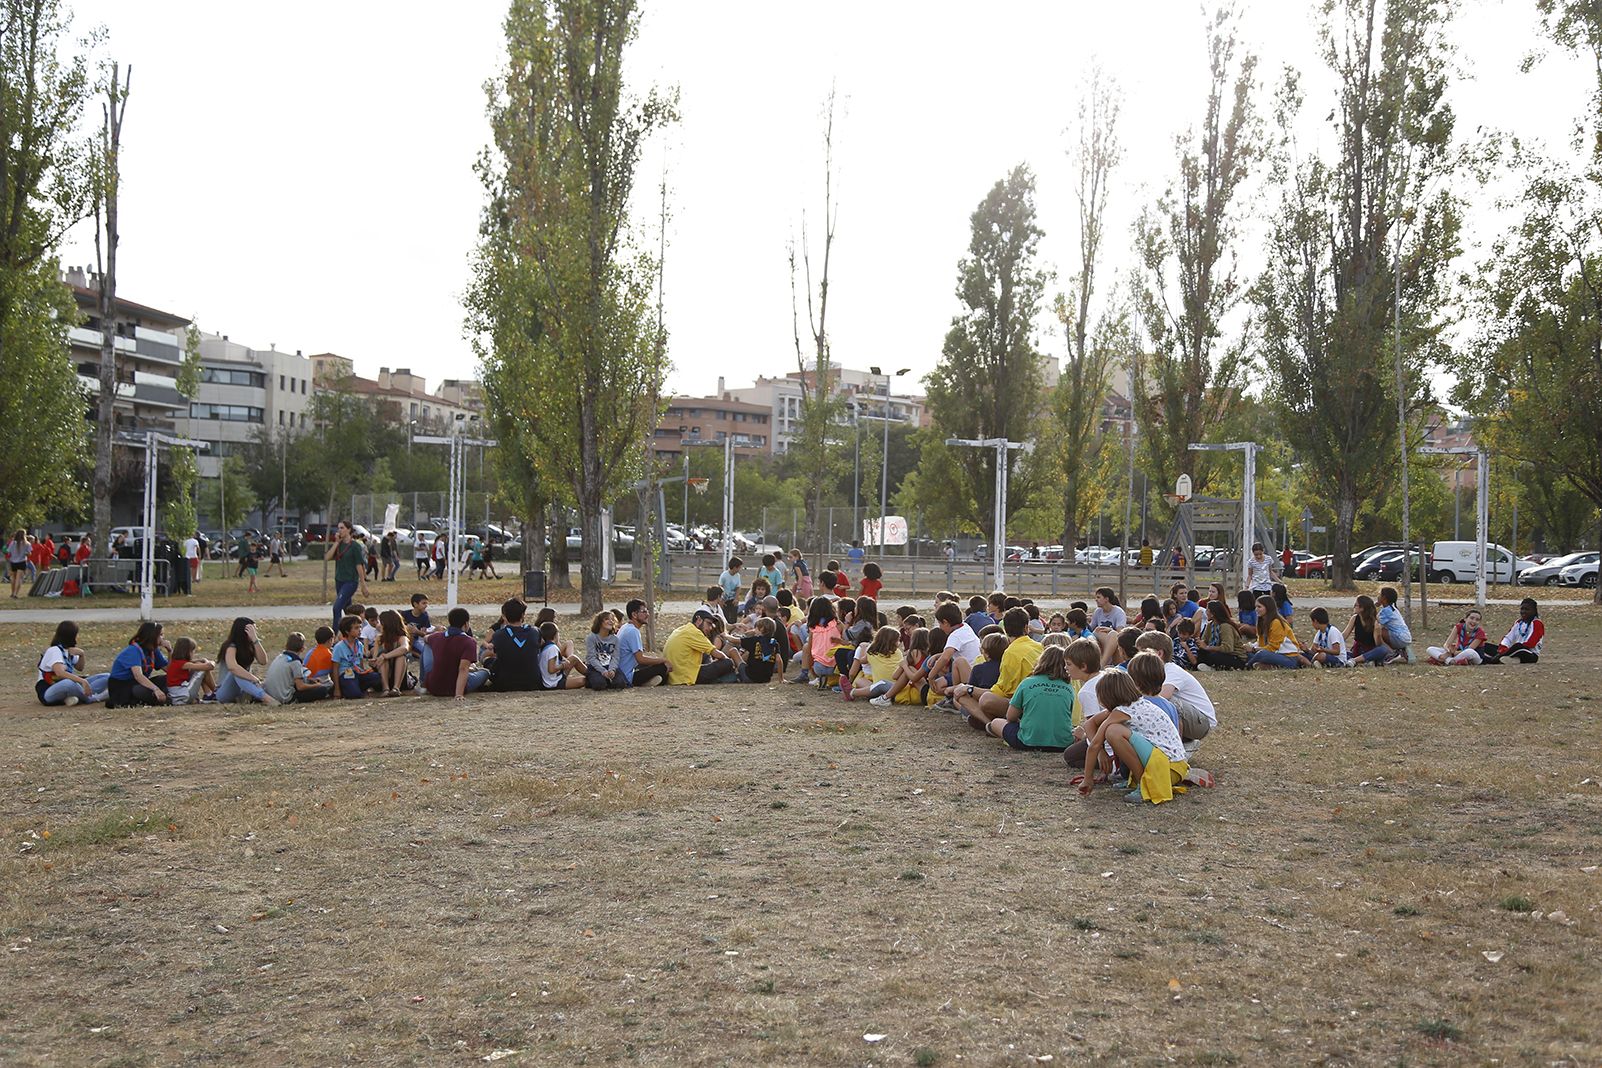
(1394, 631)
(729, 583)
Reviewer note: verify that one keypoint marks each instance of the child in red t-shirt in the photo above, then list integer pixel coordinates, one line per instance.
(842, 581)
(872, 580)
(190, 678)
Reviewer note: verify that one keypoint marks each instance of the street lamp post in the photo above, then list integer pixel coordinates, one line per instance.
(1003, 447)
(1482, 511)
(884, 454)
(1248, 501)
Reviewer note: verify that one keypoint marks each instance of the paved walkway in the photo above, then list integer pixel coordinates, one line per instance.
(60, 608)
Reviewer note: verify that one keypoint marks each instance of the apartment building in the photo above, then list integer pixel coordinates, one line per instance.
(401, 397)
(864, 392)
(245, 395)
(714, 419)
(150, 345)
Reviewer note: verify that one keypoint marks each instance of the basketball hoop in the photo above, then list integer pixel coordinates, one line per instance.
(699, 485)
(1181, 489)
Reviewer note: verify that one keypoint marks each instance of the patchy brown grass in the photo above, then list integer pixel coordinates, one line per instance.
(751, 875)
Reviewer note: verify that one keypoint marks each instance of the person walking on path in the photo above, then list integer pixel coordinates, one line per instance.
(350, 570)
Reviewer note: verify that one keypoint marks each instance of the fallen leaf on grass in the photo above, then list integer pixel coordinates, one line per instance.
(418, 997)
(501, 1054)
(1173, 984)
(1589, 869)
(588, 933)
(294, 820)
(871, 1037)
(1492, 955)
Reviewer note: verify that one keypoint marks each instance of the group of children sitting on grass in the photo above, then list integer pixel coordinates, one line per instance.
(1107, 691)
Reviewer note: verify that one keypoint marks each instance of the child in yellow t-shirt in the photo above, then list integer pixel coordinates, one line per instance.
(875, 672)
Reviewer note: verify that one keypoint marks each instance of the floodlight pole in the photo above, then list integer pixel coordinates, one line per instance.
(152, 442)
(1002, 446)
(884, 455)
(456, 497)
(1248, 501)
(1482, 510)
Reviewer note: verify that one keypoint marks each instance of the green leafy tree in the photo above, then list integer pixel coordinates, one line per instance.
(1327, 298)
(1188, 285)
(229, 496)
(988, 382)
(179, 510)
(1538, 391)
(567, 143)
(1092, 351)
(43, 192)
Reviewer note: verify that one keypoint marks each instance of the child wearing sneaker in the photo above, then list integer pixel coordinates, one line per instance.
(910, 684)
(875, 671)
(1139, 735)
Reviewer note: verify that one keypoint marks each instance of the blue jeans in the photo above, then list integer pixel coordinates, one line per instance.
(1272, 659)
(476, 678)
(232, 686)
(344, 594)
(352, 687)
(1377, 655)
(57, 692)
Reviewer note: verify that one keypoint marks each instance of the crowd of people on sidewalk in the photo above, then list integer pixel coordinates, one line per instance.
(1116, 695)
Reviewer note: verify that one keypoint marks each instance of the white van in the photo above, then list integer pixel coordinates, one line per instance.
(1458, 561)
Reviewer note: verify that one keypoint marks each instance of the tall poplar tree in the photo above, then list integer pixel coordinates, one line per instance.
(989, 380)
(1537, 386)
(560, 255)
(44, 88)
(1092, 350)
(1188, 282)
(1327, 298)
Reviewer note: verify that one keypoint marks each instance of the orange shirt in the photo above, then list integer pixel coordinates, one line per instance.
(320, 659)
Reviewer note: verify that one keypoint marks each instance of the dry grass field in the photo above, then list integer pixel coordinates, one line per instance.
(1397, 866)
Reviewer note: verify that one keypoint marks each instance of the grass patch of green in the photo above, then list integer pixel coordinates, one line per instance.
(778, 804)
(1206, 938)
(1517, 903)
(924, 1057)
(1214, 1056)
(764, 986)
(112, 827)
(1406, 910)
(911, 875)
(1084, 923)
(1439, 1030)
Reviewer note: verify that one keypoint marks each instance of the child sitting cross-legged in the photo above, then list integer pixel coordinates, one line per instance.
(1016, 664)
(1040, 713)
(875, 671)
(762, 652)
(1136, 733)
(909, 686)
(559, 668)
(190, 678)
(353, 675)
(823, 635)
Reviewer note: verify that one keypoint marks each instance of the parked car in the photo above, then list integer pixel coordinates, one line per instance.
(316, 532)
(1580, 575)
(1459, 561)
(1550, 573)
(1386, 566)
(1312, 566)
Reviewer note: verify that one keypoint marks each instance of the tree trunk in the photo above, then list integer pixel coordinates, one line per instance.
(559, 578)
(1340, 561)
(105, 426)
(328, 534)
(535, 527)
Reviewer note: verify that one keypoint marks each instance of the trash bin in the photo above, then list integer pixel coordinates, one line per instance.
(534, 586)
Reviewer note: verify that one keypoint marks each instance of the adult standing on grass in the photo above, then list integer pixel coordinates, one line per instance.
(192, 562)
(350, 572)
(420, 548)
(17, 550)
(275, 555)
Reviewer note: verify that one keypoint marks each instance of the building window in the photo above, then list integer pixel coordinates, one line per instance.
(303, 419)
(414, 409)
(227, 376)
(280, 417)
(281, 383)
(228, 413)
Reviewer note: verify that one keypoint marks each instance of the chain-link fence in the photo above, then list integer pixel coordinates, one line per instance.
(423, 509)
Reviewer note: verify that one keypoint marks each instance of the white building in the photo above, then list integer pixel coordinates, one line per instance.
(864, 392)
(245, 394)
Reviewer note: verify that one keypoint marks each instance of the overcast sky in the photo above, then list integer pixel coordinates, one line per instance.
(300, 174)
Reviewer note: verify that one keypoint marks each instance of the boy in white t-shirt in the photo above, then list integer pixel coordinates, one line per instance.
(1328, 648)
